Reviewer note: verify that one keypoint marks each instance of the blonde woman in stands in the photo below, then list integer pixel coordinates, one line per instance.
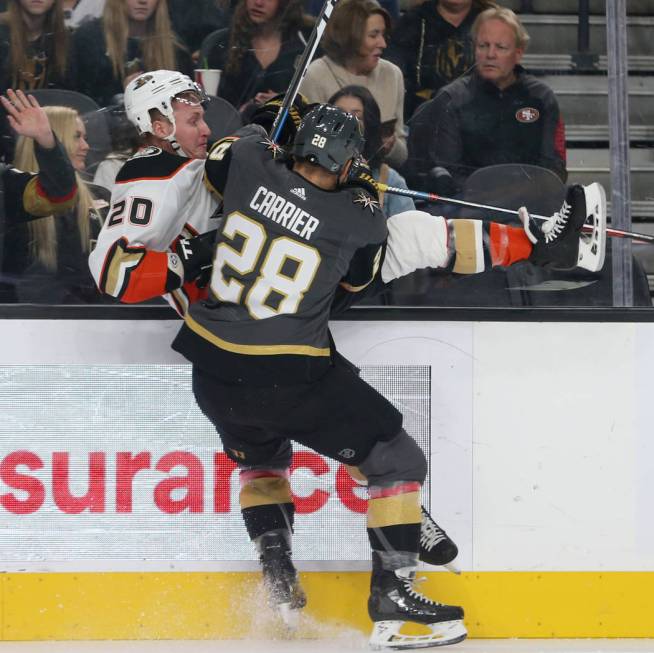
(48, 257)
(133, 36)
(354, 41)
(33, 45)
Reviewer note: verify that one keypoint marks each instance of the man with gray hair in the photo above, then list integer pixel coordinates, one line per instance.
(496, 114)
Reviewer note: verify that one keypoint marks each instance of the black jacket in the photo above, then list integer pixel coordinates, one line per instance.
(252, 78)
(41, 75)
(472, 124)
(28, 196)
(92, 68)
(430, 51)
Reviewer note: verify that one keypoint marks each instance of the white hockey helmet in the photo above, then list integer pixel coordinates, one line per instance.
(156, 90)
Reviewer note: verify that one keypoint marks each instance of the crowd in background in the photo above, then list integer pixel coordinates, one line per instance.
(438, 85)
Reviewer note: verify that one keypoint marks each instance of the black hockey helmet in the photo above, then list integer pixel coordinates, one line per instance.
(328, 137)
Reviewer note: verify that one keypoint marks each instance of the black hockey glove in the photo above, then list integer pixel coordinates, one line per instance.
(196, 255)
(360, 176)
(265, 116)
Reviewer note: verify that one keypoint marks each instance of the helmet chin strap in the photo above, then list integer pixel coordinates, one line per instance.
(173, 141)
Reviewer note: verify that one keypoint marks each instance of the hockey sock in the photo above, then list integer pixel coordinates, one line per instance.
(394, 523)
(266, 501)
(507, 245)
(478, 245)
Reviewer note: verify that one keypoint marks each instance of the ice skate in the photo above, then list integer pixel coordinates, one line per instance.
(436, 547)
(394, 602)
(280, 578)
(574, 236)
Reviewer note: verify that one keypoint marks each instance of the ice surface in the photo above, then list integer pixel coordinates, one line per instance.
(342, 642)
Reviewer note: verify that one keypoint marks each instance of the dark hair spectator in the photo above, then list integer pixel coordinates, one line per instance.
(33, 45)
(49, 256)
(497, 114)
(354, 41)
(314, 7)
(259, 50)
(130, 38)
(433, 46)
(194, 26)
(360, 102)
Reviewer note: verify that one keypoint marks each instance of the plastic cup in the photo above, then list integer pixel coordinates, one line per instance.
(208, 79)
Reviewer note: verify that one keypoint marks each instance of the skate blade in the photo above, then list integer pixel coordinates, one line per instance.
(289, 615)
(592, 244)
(386, 635)
(450, 566)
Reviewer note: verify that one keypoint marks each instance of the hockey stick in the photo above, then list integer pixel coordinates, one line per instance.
(301, 68)
(433, 197)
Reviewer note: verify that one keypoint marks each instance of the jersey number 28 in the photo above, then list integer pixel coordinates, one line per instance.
(287, 270)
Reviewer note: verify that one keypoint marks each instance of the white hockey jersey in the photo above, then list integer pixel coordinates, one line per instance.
(158, 197)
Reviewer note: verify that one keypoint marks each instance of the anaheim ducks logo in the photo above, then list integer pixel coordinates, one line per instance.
(527, 114)
(142, 81)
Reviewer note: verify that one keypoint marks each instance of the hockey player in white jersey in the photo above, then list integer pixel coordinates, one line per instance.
(155, 241)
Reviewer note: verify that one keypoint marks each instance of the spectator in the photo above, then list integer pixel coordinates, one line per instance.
(194, 26)
(133, 36)
(314, 7)
(26, 196)
(33, 45)
(125, 142)
(354, 41)
(432, 45)
(48, 257)
(358, 101)
(497, 114)
(78, 11)
(258, 52)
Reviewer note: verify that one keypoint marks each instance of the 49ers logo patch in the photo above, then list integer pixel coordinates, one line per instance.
(527, 114)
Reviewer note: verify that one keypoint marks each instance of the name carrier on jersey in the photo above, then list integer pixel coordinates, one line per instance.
(284, 212)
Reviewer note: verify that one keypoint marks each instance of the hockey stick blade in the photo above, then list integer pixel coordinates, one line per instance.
(433, 197)
(301, 68)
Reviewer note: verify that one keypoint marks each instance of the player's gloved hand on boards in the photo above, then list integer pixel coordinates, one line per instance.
(360, 176)
(195, 255)
(265, 116)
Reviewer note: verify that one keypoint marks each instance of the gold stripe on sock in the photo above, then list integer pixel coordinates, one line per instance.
(265, 491)
(468, 242)
(395, 510)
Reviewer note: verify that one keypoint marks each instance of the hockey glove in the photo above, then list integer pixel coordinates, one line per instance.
(265, 116)
(196, 255)
(360, 176)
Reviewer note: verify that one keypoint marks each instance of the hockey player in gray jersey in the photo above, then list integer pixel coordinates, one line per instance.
(296, 239)
(155, 240)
